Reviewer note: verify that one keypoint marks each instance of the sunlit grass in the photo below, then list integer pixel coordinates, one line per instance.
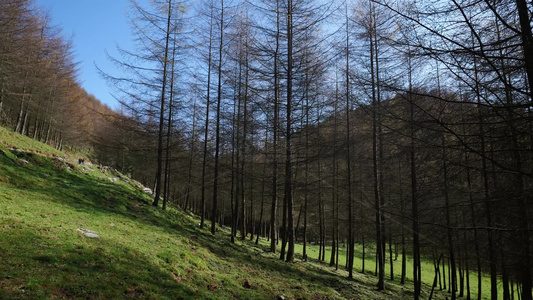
(428, 273)
(9, 139)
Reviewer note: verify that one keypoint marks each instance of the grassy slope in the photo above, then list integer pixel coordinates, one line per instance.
(143, 252)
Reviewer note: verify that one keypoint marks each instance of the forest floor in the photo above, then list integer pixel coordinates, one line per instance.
(142, 251)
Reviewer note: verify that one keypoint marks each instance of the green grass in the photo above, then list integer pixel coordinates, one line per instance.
(10, 139)
(142, 252)
(427, 267)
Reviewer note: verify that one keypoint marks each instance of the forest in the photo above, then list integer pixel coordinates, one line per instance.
(405, 127)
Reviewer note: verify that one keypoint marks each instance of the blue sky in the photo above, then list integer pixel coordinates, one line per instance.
(94, 26)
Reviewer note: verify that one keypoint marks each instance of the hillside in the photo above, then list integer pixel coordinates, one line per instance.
(46, 198)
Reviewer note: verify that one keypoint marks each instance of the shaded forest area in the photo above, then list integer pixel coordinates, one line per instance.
(403, 126)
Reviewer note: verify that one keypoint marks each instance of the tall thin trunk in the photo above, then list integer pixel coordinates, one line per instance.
(477, 251)
(60, 141)
(333, 228)
(251, 214)
(322, 208)
(208, 101)
(288, 158)
(436, 263)
(391, 259)
(263, 187)
(234, 157)
(48, 131)
(44, 137)
(363, 253)
(243, 144)
(305, 215)
(296, 229)
(283, 230)
(275, 128)
(25, 124)
(23, 104)
(320, 226)
(417, 272)
(351, 238)
(191, 156)
(452, 271)
(521, 197)
(36, 128)
(334, 191)
(376, 153)
(239, 188)
(402, 228)
(217, 137)
(442, 274)
(306, 172)
(486, 187)
(159, 171)
(166, 190)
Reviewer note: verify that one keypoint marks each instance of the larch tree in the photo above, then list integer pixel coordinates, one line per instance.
(218, 118)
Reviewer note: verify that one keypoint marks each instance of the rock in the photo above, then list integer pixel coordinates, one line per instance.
(280, 297)
(112, 224)
(247, 284)
(88, 233)
(147, 190)
(113, 180)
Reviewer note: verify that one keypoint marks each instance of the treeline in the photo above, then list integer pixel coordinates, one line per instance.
(39, 93)
(404, 127)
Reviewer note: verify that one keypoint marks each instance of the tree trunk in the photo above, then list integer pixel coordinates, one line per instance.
(334, 191)
(391, 260)
(234, 154)
(436, 264)
(505, 280)
(351, 238)
(217, 137)
(452, 271)
(243, 144)
(288, 159)
(283, 229)
(376, 155)
(166, 190)
(159, 171)
(208, 101)
(363, 245)
(417, 273)
(263, 187)
(25, 125)
(191, 156)
(18, 128)
(275, 128)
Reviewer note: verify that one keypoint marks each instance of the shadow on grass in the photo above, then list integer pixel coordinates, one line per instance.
(299, 275)
(83, 192)
(32, 267)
